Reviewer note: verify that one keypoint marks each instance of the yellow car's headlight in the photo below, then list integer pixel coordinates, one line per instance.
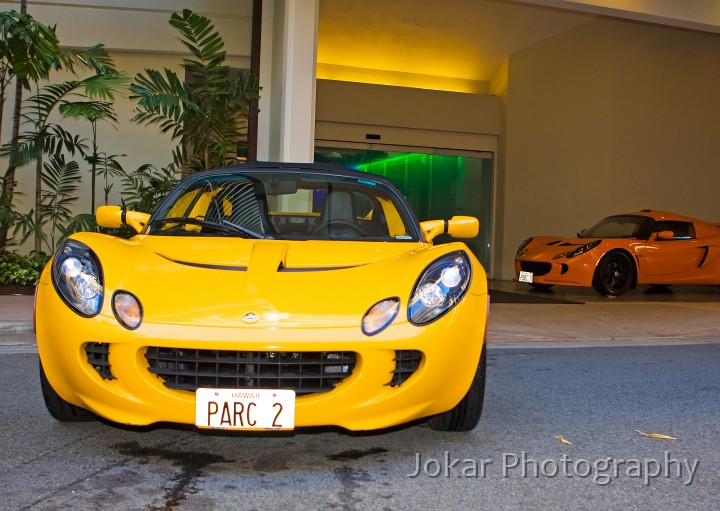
(440, 287)
(380, 315)
(77, 278)
(127, 309)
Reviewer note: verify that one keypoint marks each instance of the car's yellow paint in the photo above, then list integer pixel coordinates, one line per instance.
(457, 227)
(309, 296)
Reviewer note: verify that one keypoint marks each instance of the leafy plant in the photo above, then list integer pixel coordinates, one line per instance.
(21, 270)
(206, 111)
(44, 137)
(144, 189)
(92, 111)
(27, 54)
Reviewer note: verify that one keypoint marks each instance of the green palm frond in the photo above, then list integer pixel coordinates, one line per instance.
(61, 179)
(27, 47)
(162, 100)
(105, 86)
(93, 58)
(199, 36)
(38, 107)
(91, 110)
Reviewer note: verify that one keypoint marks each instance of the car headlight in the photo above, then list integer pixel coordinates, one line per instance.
(440, 287)
(380, 315)
(581, 250)
(127, 309)
(524, 244)
(77, 278)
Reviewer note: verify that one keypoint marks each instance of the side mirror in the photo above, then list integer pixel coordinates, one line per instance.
(457, 227)
(113, 217)
(666, 235)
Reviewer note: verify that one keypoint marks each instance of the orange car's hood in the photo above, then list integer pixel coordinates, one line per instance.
(543, 246)
(216, 281)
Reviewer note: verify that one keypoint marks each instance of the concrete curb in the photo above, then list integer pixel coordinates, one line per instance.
(15, 327)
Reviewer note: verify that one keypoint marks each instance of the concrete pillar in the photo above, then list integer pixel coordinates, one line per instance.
(286, 123)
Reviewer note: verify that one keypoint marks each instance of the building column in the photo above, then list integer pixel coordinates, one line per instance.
(286, 122)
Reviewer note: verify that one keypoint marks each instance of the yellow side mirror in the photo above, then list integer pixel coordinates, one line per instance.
(113, 217)
(457, 227)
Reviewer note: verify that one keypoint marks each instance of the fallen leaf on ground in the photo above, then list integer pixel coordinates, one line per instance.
(657, 435)
(563, 440)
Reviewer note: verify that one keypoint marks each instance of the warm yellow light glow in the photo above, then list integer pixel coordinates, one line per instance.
(381, 77)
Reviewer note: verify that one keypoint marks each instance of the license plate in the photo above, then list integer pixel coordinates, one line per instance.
(245, 408)
(526, 276)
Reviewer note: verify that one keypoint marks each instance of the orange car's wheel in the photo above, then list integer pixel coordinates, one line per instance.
(614, 275)
(466, 414)
(60, 409)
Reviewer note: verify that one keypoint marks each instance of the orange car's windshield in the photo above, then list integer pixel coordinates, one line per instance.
(621, 226)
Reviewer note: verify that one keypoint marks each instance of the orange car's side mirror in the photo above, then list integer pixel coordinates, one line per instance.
(666, 235)
(113, 217)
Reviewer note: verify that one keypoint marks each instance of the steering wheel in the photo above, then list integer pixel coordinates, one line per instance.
(339, 223)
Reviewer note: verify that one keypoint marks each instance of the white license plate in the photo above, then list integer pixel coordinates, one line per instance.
(526, 276)
(245, 408)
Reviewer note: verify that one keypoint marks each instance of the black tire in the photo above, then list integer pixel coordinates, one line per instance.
(466, 414)
(60, 409)
(614, 275)
(537, 285)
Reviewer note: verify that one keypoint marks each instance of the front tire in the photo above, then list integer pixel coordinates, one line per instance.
(466, 414)
(60, 409)
(614, 275)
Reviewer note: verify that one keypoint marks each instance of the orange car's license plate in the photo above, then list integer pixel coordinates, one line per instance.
(526, 276)
(245, 408)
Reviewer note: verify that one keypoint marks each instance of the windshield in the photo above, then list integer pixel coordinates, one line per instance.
(284, 205)
(627, 226)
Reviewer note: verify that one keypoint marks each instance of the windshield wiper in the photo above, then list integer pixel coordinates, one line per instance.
(223, 225)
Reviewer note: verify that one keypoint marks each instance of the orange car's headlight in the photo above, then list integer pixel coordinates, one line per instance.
(580, 250)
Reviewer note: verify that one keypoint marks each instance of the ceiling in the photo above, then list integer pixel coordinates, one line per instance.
(460, 44)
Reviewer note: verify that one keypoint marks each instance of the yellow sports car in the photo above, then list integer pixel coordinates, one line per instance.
(267, 296)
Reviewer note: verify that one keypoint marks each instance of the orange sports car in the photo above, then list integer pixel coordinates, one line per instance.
(621, 251)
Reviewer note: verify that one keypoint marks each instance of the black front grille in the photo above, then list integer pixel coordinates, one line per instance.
(97, 356)
(535, 267)
(406, 363)
(305, 372)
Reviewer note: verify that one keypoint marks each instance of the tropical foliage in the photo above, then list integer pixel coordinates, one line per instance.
(21, 270)
(206, 111)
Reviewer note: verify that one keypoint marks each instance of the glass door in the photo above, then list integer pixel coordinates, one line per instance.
(437, 186)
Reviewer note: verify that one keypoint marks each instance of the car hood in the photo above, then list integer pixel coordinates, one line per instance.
(543, 246)
(219, 281)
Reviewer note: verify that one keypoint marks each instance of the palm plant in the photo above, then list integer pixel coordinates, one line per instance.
(204, 112)
(92, 111)
(62, 182)
(27, 54)
(29, 51)
(45, 137)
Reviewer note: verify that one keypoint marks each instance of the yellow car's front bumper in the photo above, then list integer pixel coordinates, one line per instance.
(364, 400)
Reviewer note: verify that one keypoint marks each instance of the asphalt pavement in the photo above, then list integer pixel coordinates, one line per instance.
(519, 314)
